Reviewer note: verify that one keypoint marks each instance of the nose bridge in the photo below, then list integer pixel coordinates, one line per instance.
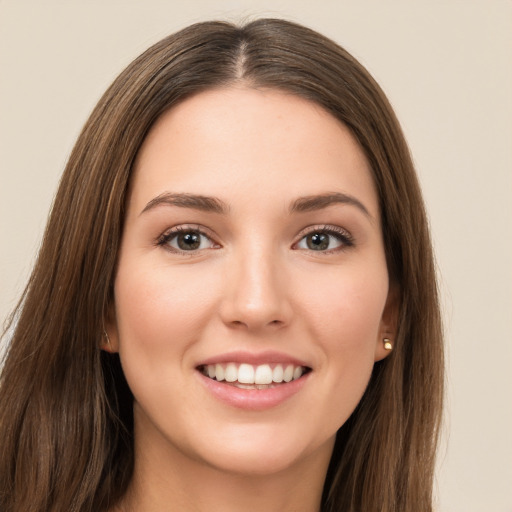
(255, 294)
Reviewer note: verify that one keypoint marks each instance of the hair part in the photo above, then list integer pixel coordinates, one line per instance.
(66, 426)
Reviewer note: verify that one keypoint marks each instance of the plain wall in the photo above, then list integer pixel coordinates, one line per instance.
(447, 69)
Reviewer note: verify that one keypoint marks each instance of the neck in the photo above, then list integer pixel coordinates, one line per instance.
(172, 482)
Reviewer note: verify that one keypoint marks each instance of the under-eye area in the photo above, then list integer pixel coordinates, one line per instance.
(248, 376)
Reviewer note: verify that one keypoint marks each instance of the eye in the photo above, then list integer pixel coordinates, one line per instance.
(325, 240)
(184, 239)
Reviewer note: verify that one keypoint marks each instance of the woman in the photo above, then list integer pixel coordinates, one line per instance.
(235, 305)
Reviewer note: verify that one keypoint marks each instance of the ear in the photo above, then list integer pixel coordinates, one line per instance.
(110, 339)
(388, 324)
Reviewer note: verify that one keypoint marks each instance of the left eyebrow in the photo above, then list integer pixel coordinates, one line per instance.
(317, 202)
(193, 201)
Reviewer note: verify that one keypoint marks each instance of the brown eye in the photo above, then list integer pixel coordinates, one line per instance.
(187, 240)
(324, 240)
(318, 241)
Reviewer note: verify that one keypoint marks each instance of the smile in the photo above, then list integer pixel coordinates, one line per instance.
(248, 376)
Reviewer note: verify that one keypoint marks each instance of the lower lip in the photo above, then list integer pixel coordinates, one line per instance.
(253, 399)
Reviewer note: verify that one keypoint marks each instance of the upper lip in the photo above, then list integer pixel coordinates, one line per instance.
(254, 358)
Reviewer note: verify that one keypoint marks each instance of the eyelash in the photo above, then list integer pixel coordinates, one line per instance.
(344, 237)
(165, 239)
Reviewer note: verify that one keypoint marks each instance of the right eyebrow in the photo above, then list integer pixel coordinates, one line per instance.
(196, 202)
(317, 202)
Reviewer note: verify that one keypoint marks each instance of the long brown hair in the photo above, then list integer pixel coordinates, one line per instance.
(66, 426)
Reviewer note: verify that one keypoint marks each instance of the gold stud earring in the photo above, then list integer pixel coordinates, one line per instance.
(387, 344)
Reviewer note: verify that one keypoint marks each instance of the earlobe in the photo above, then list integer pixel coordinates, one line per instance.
(383, 348)
(388, 325)
(109, 340)
(106, 344)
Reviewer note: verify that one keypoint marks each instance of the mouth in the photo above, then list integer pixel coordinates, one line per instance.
(257, 377)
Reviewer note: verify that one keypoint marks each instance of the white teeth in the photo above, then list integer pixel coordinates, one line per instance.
(254, 386)
(253, 377)
(277, 374)
(263, 374)
(231, 373)
(219, 372)
(246, 374)
(288, 373)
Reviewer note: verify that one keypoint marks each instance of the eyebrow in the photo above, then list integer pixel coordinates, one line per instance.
(196, 202)
(317, 202)
(215, 205)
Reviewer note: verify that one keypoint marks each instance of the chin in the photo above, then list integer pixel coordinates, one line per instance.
(253, 463)
(262, 454)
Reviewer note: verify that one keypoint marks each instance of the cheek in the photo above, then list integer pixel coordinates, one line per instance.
(345, 321)
(159, 312)
(346, 306)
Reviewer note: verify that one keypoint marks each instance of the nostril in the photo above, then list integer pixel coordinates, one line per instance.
(241, 323)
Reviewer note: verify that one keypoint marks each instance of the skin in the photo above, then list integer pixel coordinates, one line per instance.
(253, 285)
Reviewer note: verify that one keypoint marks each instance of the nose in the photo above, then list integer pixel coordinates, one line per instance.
(256, 293)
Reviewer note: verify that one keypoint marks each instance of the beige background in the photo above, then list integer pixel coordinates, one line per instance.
(447, 68)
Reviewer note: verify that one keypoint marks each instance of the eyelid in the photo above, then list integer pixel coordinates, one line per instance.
(342, 234)
(163, 239)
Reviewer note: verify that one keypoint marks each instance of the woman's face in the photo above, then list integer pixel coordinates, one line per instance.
(252, 254)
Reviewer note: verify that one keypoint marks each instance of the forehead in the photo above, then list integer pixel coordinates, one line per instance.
(260, 143)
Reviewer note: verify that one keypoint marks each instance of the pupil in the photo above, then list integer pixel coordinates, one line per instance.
(189, 241)
(318, 241)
